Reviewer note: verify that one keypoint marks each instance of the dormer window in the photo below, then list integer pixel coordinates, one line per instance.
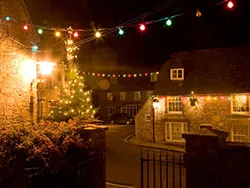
(177, 74)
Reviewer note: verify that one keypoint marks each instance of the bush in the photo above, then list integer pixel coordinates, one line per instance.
(41, 155)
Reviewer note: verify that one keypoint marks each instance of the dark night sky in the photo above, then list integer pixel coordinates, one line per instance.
(217, 27)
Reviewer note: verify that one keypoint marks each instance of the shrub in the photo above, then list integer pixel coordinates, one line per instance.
(40, 155)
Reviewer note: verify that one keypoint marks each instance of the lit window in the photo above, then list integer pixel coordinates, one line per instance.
(149, 93)
(240, 103)
(174, 130)
(137, 95)
(175, 104)
(154, 77)
(110, 97)
(240, 133)
(123, 96)
(113, 80)
(177, 74)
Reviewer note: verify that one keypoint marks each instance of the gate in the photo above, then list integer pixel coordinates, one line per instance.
(162, 168)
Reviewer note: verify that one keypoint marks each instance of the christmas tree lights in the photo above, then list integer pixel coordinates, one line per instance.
(75, 100)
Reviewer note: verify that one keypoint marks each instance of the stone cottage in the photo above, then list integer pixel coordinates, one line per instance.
(199, 88)
(17, 64)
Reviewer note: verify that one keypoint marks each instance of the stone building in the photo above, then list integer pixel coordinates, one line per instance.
(120, 89)
(17, 64)
(199, 88)
(49, 90)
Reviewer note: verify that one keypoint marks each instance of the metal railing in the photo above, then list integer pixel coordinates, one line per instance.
(92, 173)
(162, 168)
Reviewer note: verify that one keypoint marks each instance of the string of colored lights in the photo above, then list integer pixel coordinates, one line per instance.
(120, 28)
(200, 97)
(120, 75)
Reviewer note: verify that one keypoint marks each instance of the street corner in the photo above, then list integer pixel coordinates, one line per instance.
(134, 140)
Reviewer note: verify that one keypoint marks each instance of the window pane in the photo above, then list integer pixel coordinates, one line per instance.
(174, 73)
(110, 96)
(176, 131)
(137, 96)
(179, 73)
(240, 103)
(175, 104)
(123, 96)
(240, 133)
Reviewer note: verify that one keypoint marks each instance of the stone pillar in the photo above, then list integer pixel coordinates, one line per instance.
(202, 158)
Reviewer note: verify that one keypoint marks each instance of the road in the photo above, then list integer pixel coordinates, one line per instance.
(123, 159)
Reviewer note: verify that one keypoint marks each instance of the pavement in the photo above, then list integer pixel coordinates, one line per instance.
(133, 139)
(123, 151)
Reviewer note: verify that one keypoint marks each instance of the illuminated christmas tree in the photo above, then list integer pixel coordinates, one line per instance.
(75, 100)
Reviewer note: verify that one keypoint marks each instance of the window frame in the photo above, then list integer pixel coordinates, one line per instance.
(177, 78)
(135, 98)
(169, 125)
(123, 96)
(153, 77)
(239, 135)
(110, 96)
(232, 103)
(168, 106)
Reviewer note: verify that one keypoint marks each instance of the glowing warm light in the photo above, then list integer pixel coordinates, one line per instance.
(230, 4)
(142, 27)
(208, 98)
(46, 67)
(198, 13)
(97, 34)
(28, 70)
(25, 27)
(76, 34)
(57, 34)
(40, 31)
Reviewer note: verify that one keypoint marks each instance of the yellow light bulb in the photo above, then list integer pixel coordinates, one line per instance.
(97, 34)
(57, 34)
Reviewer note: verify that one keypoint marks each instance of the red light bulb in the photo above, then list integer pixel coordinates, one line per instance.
(230, 4)
(76, 34)
(142, 27)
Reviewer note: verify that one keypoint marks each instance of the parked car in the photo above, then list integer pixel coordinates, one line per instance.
(121, 118)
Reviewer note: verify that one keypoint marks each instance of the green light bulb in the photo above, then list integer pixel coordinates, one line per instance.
(121, 32)
(169, 22)
(40, 31)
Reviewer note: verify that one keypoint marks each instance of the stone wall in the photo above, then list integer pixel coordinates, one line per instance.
(17, 95)
(144, 121)
(214, 110)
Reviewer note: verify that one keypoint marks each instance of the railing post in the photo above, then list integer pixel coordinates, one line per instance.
(142, 175)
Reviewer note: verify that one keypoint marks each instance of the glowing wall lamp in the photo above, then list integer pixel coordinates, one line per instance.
(155, 106)
(46, 68)
(28, 70)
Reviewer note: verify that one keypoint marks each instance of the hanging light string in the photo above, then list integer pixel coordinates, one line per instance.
(120, 75)
(101, 32)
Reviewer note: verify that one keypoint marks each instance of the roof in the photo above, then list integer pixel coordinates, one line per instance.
(224, 70)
